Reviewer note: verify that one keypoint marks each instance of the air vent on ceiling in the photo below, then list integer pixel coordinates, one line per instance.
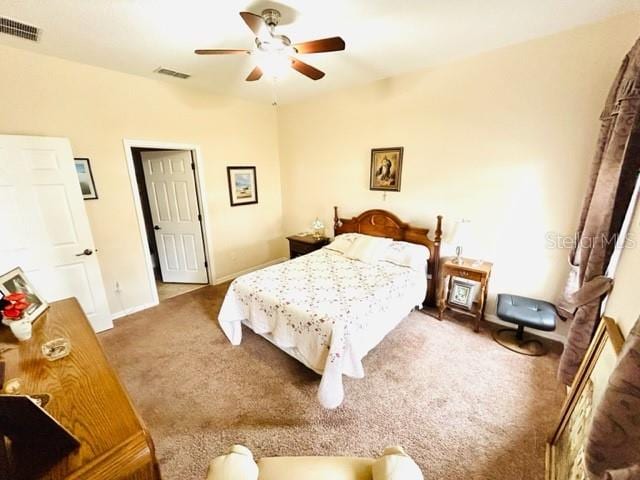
(172, 73)
(18, 29)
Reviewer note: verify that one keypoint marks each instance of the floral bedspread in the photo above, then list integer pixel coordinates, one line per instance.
(325, 309)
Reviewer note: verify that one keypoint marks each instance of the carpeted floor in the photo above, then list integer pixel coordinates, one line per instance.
(462, 406)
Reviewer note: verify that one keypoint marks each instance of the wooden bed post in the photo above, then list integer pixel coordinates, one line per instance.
(336, 220)
(432, 298)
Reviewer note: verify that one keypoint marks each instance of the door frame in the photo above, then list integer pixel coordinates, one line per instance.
(198, 160)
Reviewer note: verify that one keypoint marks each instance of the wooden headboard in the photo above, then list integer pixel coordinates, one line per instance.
(380, 223)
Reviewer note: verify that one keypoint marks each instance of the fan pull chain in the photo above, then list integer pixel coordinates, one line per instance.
(274, 92)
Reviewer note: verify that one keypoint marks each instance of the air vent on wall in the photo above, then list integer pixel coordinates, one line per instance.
(172, 73)
(18, 29)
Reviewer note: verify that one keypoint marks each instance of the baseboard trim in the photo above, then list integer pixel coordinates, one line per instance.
(556, 337)
(226, 278)
(132, 310)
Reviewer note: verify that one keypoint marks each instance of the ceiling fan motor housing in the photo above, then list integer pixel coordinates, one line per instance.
(271, 17)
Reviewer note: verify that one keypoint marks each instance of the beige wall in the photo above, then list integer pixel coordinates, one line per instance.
(504, 139)
(98, 108)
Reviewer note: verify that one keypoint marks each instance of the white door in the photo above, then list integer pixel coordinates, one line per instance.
(171, 188)
(43, 224)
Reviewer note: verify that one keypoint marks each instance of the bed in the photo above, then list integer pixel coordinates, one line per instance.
(328, 310)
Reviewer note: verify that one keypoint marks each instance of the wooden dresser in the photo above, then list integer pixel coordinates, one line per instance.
(87, 399)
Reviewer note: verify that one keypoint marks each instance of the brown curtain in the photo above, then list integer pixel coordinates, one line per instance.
(609, 192)
(613, 445)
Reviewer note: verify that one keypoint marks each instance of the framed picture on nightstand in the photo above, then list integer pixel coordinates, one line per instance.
(462, 293)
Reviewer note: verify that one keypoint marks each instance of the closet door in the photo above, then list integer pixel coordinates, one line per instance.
(173, 202)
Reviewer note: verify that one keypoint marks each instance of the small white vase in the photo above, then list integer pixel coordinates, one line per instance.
(21, 329)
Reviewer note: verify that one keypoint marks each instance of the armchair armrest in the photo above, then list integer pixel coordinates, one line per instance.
(395, 464)
(238, 464)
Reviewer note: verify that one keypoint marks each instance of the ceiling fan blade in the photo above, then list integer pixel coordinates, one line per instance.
(255, 23)
(220, 52)
(306, 69)
(332, 44)
(255, 74)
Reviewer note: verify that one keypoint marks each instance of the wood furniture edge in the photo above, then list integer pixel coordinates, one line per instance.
(607, 330)
(134, 456)
(395, 228)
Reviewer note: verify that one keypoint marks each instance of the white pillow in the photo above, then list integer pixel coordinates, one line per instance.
(367, 249)
(407, 254)
(342, 242)
(395, 464)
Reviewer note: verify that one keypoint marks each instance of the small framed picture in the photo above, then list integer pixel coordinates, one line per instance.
(462, 293)
(85, 177)
(15, 281)
(243, 185)
(386, 169)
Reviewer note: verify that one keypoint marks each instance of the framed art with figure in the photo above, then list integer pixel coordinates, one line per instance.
(243, 186)
(386, 169)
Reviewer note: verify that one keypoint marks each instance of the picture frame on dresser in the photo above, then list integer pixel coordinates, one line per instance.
(15, 281)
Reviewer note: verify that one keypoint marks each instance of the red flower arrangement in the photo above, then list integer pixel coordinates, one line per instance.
(14, 306)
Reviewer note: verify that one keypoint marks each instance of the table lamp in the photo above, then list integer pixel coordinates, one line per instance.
(318, 228)
(461, 236)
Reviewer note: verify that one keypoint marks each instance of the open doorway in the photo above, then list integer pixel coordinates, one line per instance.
(166, 184)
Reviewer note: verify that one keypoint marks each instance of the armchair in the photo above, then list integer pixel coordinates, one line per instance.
(238, 464)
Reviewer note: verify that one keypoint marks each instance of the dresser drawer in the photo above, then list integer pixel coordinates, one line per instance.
(301, 248)
(302, 245)
(467, 274)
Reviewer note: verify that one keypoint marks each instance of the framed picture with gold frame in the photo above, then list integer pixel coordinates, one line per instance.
(386, 169)
(565, 448)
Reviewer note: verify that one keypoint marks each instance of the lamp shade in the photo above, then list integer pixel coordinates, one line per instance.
(461, 233)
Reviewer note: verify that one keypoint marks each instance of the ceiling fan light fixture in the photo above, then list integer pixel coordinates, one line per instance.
(275, 55)
(273, 64)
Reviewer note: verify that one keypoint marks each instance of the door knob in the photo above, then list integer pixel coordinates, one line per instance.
(156, 227)
(86, 251)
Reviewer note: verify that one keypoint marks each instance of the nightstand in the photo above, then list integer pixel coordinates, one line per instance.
(467, 270)
(303, 244)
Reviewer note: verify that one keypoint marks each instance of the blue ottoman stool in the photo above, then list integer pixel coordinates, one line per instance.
(524, 312)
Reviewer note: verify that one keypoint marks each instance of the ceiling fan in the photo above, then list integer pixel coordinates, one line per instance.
(274, 52)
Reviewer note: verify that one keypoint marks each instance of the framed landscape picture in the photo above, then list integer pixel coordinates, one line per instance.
(386, 169)
(243, 185)
(85, 177)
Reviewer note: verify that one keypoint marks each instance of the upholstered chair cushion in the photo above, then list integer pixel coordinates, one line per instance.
(238, 464)
(315, 468)
(395, 464)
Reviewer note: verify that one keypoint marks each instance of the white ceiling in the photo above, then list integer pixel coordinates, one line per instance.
(384, 37)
